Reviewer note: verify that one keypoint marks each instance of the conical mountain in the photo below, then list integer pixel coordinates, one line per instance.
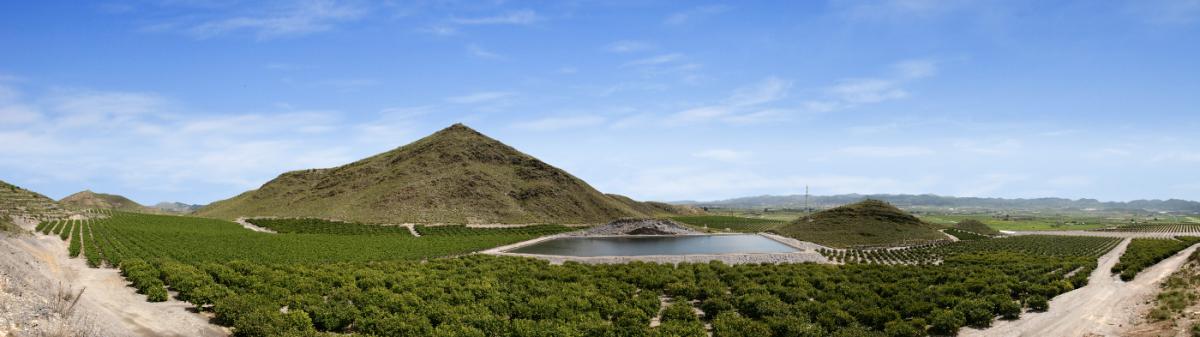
(88, 199)
(456, 175)
(866, 223)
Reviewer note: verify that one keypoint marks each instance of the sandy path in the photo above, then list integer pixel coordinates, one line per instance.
(250, 226)
(948, 236)
(107, 297)
(1101, 308)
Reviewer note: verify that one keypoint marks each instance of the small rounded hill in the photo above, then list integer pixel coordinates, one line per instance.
(866, 223)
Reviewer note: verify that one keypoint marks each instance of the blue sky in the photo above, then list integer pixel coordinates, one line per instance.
(196, 101)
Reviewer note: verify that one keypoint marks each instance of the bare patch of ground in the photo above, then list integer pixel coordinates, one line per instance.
(253, 227)
(1105, 307)
(112, 308)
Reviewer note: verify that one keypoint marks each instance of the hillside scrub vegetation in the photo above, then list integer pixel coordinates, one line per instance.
(976, 226)
(866, 223)
(733, 223)
(1143, 253)
(304, 284)
(455, 176)
(92, 200)
(965, 235)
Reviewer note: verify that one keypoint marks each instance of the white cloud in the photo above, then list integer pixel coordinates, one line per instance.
(992, 147)
(1178, 156)
(898, 9)
(629, 46)
(864, 91)
(655, 60)
(746, 105)
(480, 52)
(694, 14)
(519, 17)
(1167, 12)
(560, 123)
(723, 155)
(768, 90)
(481, 97)
(912, 69)
(143, 143)
(304, 17)
(850, 93)
(14, 115)
(885, 151)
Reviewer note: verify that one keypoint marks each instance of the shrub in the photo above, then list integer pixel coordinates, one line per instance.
(729, 324)
(945, 322)
(1038, 303)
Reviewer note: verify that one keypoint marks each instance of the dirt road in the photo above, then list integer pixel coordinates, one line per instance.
(107, 299)
(1101, 308)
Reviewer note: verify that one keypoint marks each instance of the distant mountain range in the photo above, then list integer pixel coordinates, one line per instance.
(176, 207)
(930, 200)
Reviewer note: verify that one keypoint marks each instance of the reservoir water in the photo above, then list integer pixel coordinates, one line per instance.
(656, 245)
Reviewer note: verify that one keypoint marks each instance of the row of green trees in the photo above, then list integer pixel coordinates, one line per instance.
(272, 284)
(1143, 253)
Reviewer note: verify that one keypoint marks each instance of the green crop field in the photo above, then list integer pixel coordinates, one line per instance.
(1034, 224)
(1143, 253)
(396, 284)
(732, 223)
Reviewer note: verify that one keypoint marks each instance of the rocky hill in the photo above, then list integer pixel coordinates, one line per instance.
(866, 223)
(92, 200)
(456, 175)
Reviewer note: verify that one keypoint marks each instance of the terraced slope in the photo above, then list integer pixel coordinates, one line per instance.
(866, 223)
(16, 200)
(456, 175)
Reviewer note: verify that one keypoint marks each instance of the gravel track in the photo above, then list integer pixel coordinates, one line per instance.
(1102, 308)
(108, 299)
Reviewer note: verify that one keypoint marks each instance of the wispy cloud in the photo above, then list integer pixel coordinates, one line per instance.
(519, 17)
(481, 52)
(990, 147)
(853, 92)
(71, 136)
(559, 123)
(885, 151)
(655, 60)
(1167, 12)
(745, 105)
(628, 46)
(722, 155)
(300, 18)
(694, 14)
(481, 97)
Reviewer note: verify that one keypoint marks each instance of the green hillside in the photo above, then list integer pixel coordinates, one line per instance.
(866, 223)
(455, 175)
(92, 200)
(655, 209)
(976, 226)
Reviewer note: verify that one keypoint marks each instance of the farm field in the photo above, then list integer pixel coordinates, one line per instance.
(398, 285)
(1143, 253)
(1035, 224)
(731, 223)
(1157, 228)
